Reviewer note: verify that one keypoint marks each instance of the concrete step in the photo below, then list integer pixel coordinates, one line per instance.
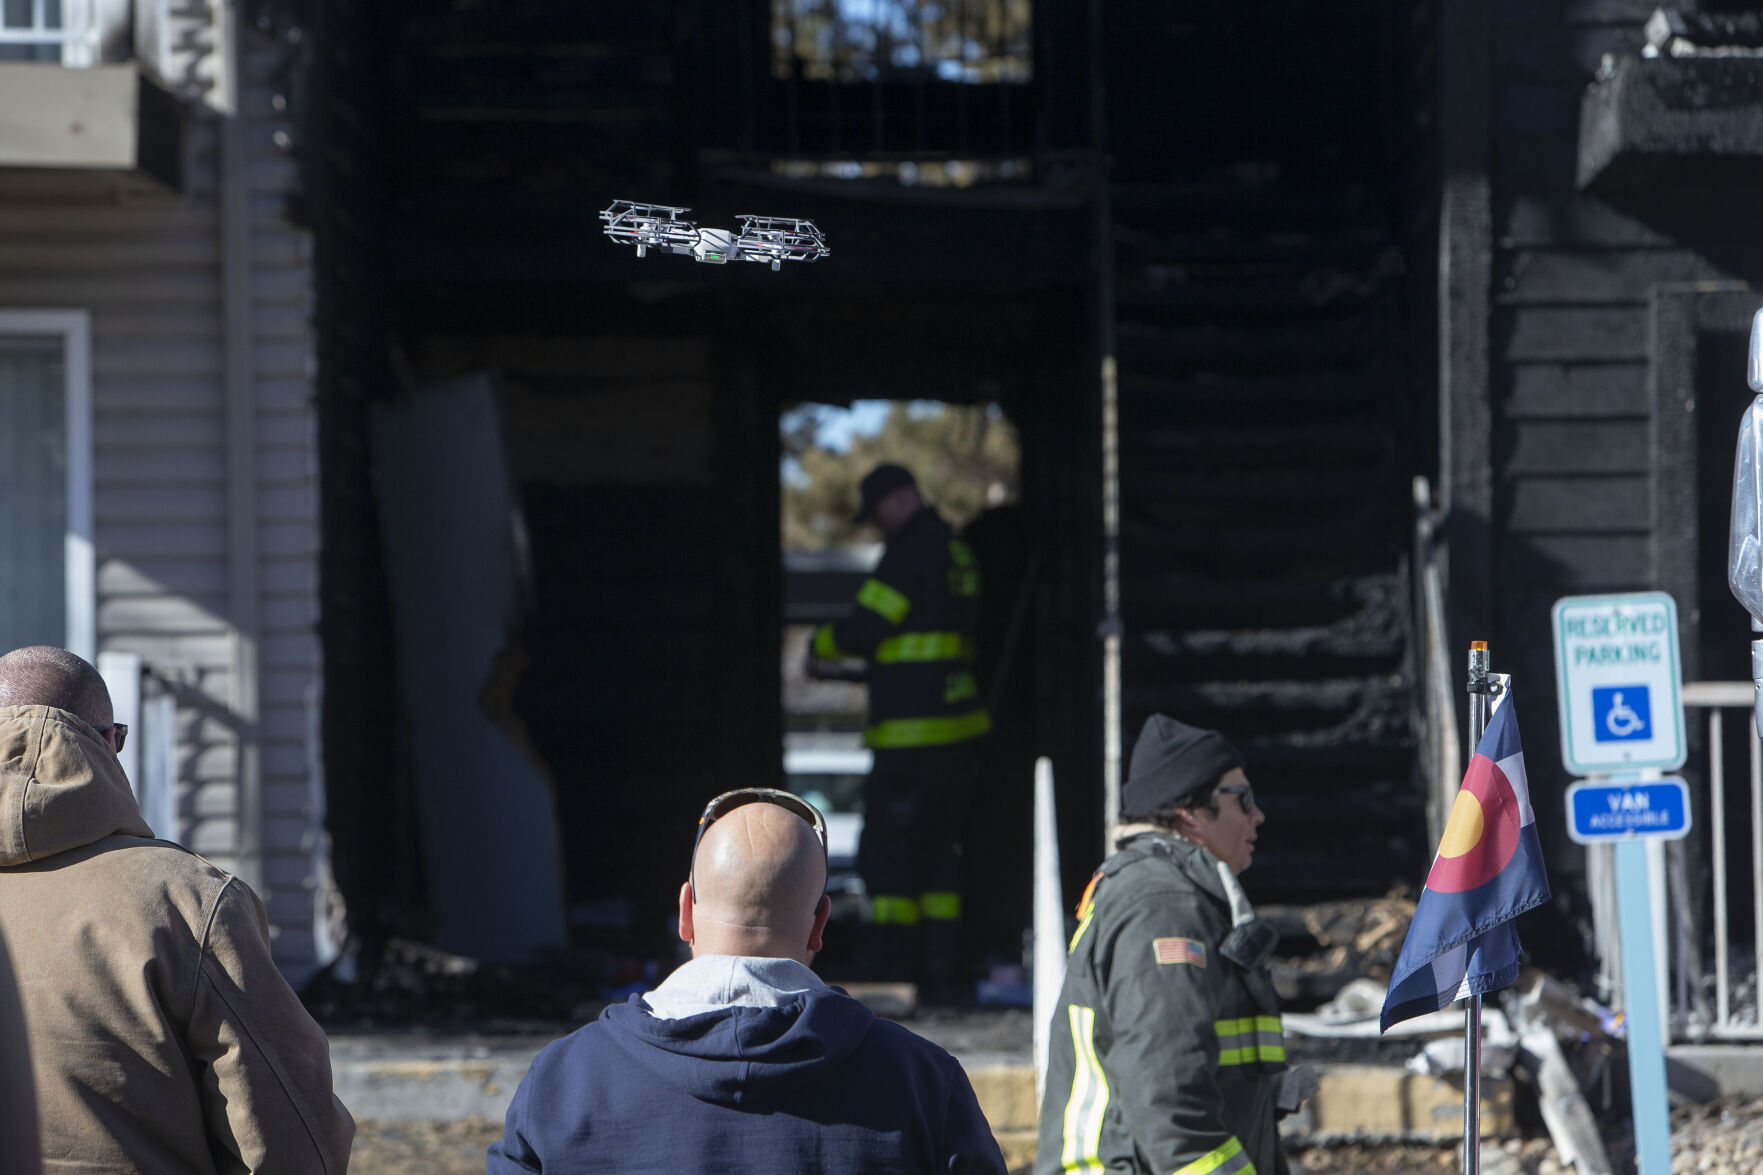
(408, 1077)
(1006, 1094)
(1386, 1103)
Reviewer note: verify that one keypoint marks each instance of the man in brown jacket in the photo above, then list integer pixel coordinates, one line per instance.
(18, 1095)
(162, 1037)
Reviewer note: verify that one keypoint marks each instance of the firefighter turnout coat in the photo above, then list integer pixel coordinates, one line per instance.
(914, 624)
(1165, 1054)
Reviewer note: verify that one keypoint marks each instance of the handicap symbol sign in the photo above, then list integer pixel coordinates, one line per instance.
(1621, 713)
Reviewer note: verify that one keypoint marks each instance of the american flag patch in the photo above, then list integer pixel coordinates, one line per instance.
(1179, 950)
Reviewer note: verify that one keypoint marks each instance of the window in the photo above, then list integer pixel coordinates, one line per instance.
(859, 88)
(47, 589)
(973, 41)
(62, 31)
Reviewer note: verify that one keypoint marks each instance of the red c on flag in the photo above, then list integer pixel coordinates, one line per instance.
(1482, 833)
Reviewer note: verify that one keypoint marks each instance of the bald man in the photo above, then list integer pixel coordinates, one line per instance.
(743, 1060)
(162, 1038)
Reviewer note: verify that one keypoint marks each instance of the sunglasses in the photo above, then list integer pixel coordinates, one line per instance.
(728, 801)
(1243, 792)
(122, 734)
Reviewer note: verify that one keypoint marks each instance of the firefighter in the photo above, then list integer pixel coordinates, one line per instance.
(1167, 1053)
(914, 625)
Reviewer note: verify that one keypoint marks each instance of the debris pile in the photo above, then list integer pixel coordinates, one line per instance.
(1374, 1159)
(1553, 1045)
(1327, 945)
(1723, 1137)
(412, 984)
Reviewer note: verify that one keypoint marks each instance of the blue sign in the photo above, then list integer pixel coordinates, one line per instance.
(1621, 713)
(1600, 811)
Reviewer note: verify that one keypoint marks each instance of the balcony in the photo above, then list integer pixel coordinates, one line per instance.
(101, 86)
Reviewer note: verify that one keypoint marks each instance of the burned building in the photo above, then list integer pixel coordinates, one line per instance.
(1238, 274)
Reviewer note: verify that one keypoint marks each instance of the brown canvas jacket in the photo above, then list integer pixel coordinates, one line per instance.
(163, 1039)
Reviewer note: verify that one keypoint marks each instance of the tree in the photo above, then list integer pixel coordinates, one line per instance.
(965, 457)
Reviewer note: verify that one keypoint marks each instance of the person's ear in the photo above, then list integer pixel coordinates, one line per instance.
(685, 912)
(821, 913)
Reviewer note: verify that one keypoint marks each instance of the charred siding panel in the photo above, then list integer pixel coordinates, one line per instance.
(1573, 453)
(147, 265)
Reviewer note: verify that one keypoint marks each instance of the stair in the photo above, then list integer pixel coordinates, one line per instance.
(1266, 445)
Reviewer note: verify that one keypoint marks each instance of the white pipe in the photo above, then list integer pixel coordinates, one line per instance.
(1112, 707)
(1717, 826)
(1756, 848)
(1049, 929)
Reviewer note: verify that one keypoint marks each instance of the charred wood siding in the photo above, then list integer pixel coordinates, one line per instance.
(1572, 453)
(645, 448)
(516, 124)
(1265, 417)
(372, 834)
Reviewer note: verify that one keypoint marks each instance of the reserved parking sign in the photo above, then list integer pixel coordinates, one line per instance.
(1619, 682)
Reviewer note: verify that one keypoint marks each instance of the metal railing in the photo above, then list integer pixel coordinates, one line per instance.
(64, 31)
(1692, 1019)
(142, 698)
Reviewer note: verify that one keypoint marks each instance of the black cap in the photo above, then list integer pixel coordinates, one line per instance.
(882, 481)
(1171, 761)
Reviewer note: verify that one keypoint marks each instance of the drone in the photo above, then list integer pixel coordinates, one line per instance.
(776, 239)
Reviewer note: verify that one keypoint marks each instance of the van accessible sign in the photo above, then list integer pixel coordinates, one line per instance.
(1602, 811)
(1619, 683)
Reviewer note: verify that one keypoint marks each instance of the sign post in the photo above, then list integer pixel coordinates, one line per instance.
(1646, 1038)
(1620, 686)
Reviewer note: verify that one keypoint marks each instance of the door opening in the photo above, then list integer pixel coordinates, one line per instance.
(966, 460)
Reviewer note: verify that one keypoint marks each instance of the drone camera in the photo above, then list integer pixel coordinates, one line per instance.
(771, 239)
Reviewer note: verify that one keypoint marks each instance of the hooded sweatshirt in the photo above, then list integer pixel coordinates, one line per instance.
(756, 1066)
(163, 1040)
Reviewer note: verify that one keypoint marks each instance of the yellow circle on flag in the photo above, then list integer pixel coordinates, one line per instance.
(1463, 832)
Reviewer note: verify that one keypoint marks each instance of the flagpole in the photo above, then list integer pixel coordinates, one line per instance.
(1478, 723)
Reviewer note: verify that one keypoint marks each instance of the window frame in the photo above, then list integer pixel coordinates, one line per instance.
(74, 327)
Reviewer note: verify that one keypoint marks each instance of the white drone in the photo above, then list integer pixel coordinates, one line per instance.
(762, 238)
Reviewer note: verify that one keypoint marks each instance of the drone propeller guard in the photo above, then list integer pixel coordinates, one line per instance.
(770, 239)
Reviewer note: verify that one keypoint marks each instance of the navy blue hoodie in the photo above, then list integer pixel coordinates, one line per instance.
(817, 1084)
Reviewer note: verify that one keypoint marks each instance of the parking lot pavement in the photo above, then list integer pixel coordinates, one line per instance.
(418, 1145)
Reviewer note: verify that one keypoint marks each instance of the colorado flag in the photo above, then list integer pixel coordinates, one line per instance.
(1488, 871)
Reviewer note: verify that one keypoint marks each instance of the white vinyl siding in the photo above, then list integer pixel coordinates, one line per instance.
(146, 266)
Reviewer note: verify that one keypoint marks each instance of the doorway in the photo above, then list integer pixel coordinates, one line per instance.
(967, 461)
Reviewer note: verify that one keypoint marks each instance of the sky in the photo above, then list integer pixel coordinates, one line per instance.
(837, 424)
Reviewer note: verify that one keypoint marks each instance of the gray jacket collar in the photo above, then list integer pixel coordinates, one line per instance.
(712, 982)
